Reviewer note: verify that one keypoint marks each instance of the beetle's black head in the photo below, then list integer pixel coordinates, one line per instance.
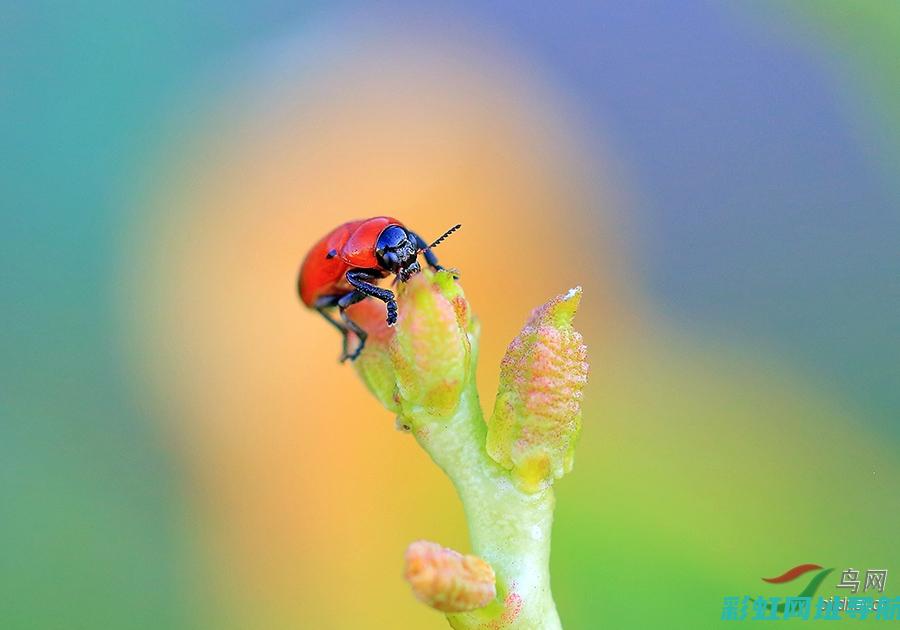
(396, 251)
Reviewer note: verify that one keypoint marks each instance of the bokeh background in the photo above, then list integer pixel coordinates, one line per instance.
(179, 447)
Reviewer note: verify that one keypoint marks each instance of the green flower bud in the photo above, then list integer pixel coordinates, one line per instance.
(537, 413)
(419, 368)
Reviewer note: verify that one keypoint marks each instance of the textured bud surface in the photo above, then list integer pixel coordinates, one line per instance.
(537, 413)
(419, 367)
(431, 349)
(447, 580)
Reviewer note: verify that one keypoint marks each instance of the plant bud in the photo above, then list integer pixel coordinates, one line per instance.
(447, 580)
(419, 367)
(374, 364)
(537, 413)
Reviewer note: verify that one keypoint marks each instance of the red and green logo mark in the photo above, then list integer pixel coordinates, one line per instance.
(801, 569)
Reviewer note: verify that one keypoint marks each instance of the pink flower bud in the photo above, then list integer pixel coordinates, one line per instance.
(447, 580)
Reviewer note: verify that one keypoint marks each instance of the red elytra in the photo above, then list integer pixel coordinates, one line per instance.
(354, 243)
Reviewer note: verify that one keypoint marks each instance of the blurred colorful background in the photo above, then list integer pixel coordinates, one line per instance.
(180, 448)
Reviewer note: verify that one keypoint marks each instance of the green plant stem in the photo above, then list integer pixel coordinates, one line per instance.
(509, 528)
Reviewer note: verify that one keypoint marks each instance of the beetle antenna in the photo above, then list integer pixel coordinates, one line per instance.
(445, 235)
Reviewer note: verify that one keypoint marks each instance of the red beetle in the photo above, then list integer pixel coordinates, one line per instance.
(343, 267)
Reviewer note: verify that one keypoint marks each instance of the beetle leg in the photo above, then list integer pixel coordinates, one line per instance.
(349, 299)
(360, 279)
(321, 306)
